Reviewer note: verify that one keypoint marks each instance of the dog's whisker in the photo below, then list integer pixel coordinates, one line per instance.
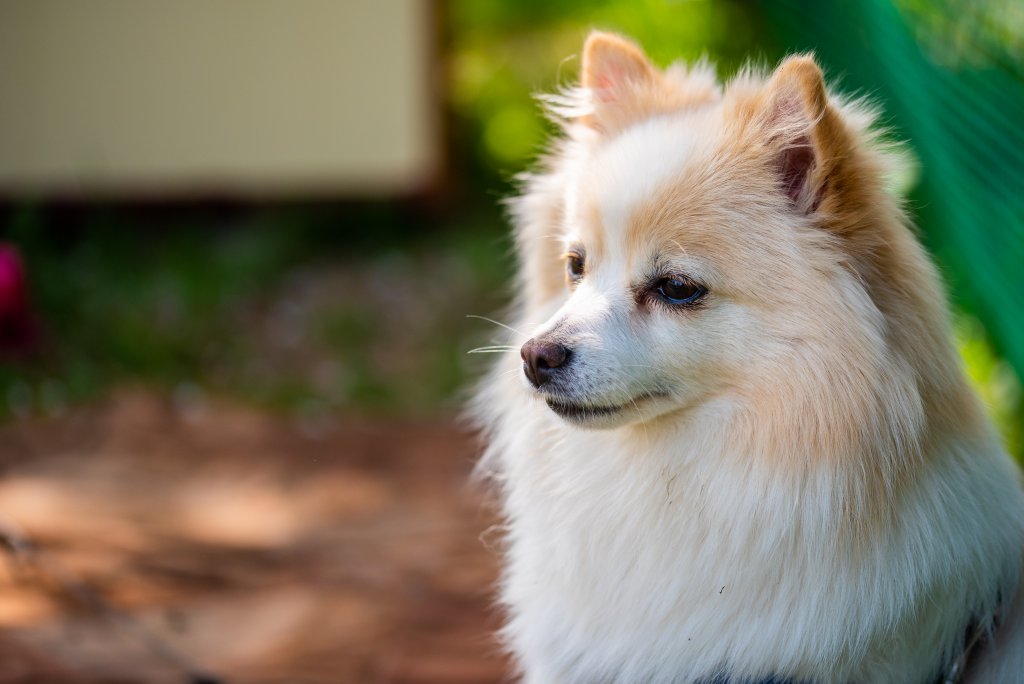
(508, 372)
(498, 323)
(681, 248)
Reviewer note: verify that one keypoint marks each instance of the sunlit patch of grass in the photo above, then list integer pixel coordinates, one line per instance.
(998, 385)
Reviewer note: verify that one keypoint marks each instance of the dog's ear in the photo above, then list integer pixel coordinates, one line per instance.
(621, 86)
(619, 79)
(613, 66)
(804, 130)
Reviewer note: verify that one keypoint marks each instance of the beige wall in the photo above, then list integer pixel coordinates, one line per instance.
(231, 97)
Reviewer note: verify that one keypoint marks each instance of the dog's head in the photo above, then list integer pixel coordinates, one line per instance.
(709, 240)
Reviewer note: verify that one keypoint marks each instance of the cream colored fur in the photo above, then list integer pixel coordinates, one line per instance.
(799, 482)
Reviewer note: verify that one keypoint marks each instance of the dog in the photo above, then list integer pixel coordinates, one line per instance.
(736, 444)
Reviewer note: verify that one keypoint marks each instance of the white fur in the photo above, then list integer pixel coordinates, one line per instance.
(666, 549)
(640, 557)
(620, 187)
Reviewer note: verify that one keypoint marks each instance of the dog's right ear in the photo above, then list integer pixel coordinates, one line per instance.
(620, 81)
(613, 66)
(620, 86)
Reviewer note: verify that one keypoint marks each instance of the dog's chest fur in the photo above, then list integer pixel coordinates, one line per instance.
(650, 556)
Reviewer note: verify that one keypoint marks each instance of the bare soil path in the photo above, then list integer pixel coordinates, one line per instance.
(259, 550)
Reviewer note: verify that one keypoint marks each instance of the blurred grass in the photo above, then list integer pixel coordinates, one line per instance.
(270, 308)
(501, 53)
(997, 384)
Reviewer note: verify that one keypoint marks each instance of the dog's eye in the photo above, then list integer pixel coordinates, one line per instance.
(574, 265)
(676, 290)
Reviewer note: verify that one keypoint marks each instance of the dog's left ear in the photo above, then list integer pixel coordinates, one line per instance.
(804, 130)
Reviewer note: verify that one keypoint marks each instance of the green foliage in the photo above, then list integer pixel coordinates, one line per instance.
(503, 53)
(997, 384)
(273, 309)
(979, 33)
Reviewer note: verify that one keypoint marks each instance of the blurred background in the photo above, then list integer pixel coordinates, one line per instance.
(243, 246)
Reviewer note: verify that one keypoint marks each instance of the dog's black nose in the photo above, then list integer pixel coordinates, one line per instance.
(540, 358)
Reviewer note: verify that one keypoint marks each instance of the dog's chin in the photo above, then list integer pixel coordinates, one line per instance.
(597, 416)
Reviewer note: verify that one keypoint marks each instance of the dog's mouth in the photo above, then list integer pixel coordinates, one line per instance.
(580, 413)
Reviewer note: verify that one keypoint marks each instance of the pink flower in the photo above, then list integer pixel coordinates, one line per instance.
(17, 329)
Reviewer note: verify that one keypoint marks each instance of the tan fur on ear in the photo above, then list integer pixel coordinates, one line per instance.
(624, 87)
(612, 63)
(802, 122)
(801, 76)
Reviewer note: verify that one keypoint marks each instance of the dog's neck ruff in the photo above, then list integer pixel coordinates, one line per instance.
(975, 635)
(561, 601)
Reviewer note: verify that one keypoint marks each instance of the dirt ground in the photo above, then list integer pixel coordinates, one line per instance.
(176, 540)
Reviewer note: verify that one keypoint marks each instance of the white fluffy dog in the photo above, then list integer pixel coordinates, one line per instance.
(740, 447)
